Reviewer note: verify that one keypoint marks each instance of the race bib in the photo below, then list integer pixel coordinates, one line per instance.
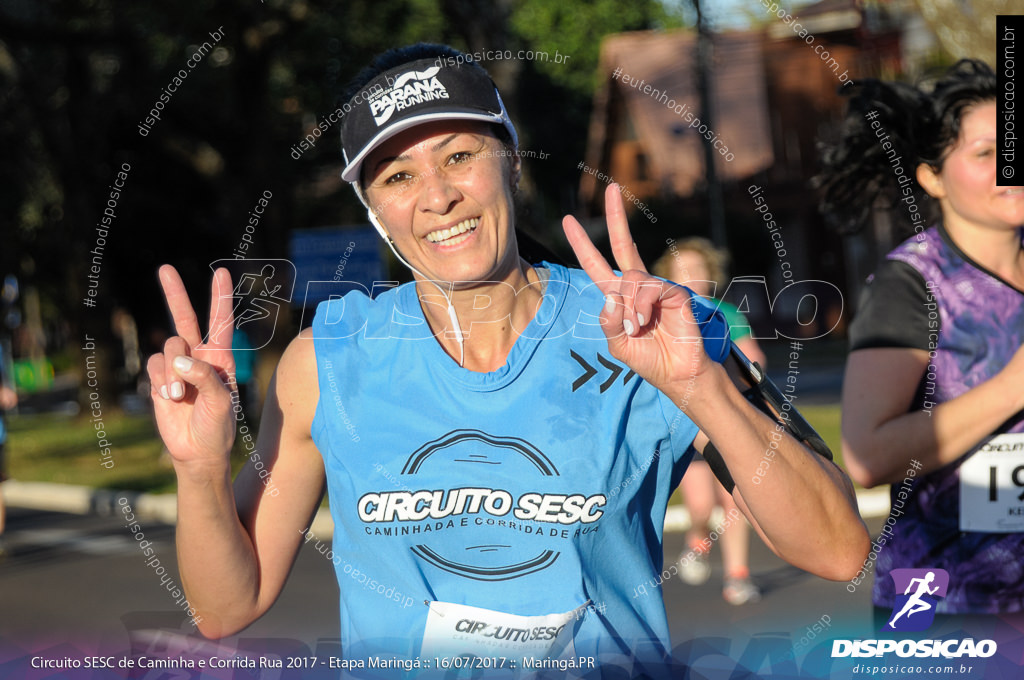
(992, 486)
(455, 630)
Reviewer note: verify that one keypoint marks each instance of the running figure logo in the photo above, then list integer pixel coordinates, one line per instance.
(915, 608)
(262, 288)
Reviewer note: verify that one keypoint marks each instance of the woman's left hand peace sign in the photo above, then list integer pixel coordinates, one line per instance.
(648, 323)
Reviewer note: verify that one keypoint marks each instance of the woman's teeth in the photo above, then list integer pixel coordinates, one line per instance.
(454, 235)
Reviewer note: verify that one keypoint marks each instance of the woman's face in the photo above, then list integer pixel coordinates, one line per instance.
(443, 192)
(966, 184)
(690, 269)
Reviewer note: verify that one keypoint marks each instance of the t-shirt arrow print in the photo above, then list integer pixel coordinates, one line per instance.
(589, 372)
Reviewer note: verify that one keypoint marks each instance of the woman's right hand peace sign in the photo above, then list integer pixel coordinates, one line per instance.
(649, 323)
(191, 380)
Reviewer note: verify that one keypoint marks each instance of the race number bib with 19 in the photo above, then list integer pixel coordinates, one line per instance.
(992, 486)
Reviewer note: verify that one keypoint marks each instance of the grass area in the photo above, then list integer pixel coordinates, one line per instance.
(64, 449)
(57, 448)
(825, 419)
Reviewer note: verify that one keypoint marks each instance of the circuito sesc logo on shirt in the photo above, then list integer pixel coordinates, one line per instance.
(477, 532)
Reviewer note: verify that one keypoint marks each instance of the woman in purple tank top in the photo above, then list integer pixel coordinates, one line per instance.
(934, 389)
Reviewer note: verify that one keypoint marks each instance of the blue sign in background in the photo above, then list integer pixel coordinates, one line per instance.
(333, 254)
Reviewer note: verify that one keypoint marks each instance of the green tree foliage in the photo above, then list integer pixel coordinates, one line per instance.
(576, 28)
(78, 77)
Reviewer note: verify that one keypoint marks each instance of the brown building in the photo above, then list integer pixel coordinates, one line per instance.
(773, 96)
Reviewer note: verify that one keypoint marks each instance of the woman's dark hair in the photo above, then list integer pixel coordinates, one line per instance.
(921, 125)
(385, 61)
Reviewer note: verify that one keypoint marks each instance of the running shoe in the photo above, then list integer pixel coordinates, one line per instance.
(694, 567)
(740, 591)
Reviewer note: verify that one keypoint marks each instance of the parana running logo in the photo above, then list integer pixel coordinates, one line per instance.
(408, 89)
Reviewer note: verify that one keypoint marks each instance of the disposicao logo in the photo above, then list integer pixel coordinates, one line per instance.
(914, 610)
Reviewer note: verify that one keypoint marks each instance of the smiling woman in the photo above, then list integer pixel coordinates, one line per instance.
(448, 167)
(456, 224)
(528, 499)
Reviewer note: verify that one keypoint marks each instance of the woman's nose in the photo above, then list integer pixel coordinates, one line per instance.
(437, 192)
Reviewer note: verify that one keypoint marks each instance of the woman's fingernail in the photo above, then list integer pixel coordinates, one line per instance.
(163, 392)
(628, 325)
(609, 305)
(640, 318)
(176, 390)
(182, 364)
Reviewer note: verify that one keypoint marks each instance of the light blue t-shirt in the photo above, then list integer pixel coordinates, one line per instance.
(539, 488)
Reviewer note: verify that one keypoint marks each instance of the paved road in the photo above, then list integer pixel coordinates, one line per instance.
(82, 580)
(84, 576)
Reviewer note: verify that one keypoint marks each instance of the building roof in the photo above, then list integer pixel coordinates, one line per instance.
(655, 102)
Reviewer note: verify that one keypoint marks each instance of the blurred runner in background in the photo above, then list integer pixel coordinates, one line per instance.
(702, 267)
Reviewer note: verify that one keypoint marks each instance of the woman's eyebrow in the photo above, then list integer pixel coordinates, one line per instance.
(390, 159)
(444, 142)
(404, 157)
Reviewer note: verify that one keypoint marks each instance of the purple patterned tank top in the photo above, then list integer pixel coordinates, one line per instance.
(981, 326)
